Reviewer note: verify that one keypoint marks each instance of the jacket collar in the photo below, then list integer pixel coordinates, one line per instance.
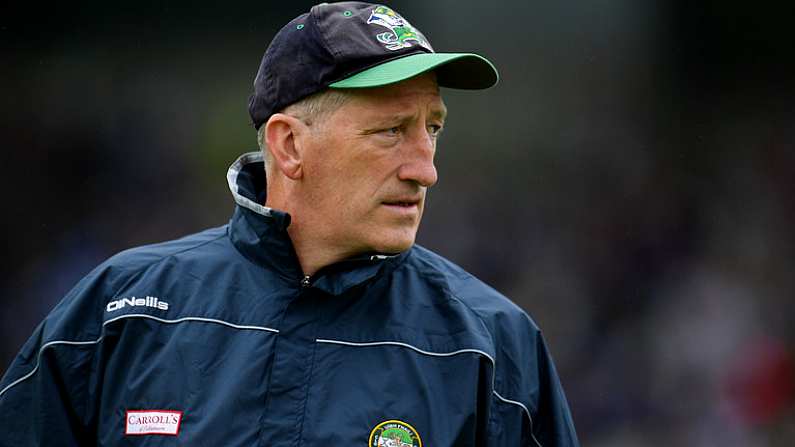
(260, 234)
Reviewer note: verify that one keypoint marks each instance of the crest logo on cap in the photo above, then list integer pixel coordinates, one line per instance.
(394, 433)
(401, 34)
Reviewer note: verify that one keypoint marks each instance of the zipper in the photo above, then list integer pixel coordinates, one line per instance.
(306, 281)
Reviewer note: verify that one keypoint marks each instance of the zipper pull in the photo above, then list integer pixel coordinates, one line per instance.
(305, 282)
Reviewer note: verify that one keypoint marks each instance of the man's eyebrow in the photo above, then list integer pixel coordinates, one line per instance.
(376, 120)
(440, 113)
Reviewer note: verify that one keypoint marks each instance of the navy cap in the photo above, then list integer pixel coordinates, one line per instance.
(353, 45)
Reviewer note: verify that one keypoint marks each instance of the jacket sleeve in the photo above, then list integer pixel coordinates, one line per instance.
(529, 405)
(552, 424)
(46, 393)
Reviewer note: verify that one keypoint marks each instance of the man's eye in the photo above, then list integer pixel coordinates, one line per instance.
(434, 130)
(392, 131)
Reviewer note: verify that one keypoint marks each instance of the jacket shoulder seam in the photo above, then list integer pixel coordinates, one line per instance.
(136, 272)
(452, 295)
(163, 257)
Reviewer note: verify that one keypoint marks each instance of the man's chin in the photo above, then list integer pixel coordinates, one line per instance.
(395, 243)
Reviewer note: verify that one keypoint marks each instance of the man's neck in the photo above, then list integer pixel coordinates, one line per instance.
(312, 247)
(311, 256)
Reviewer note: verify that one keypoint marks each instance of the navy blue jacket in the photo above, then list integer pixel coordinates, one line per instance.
(216, 339)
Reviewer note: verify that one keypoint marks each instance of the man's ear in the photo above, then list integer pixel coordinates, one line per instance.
(281, 135)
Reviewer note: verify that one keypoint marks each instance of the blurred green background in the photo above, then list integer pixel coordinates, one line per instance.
(629, 182)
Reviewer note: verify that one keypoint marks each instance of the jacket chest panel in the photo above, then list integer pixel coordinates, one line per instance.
(156, 366)
(354, 389)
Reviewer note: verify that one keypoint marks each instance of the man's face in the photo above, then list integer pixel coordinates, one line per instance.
(368, 166)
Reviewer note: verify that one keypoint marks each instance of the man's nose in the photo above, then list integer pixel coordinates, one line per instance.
(418, 156)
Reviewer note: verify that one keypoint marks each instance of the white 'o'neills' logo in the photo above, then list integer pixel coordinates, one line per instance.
(149, 301)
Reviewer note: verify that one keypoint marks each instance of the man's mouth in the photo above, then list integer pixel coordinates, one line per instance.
(402, 204)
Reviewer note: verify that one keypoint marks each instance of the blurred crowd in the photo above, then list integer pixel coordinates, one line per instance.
(629, 183)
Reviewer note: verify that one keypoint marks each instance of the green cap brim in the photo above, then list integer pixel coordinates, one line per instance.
(453, 70)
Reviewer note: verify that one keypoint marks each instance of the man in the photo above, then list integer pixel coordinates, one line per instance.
(311, 318)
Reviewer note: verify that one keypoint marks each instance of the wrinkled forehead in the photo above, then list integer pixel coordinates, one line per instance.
(420, 91)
